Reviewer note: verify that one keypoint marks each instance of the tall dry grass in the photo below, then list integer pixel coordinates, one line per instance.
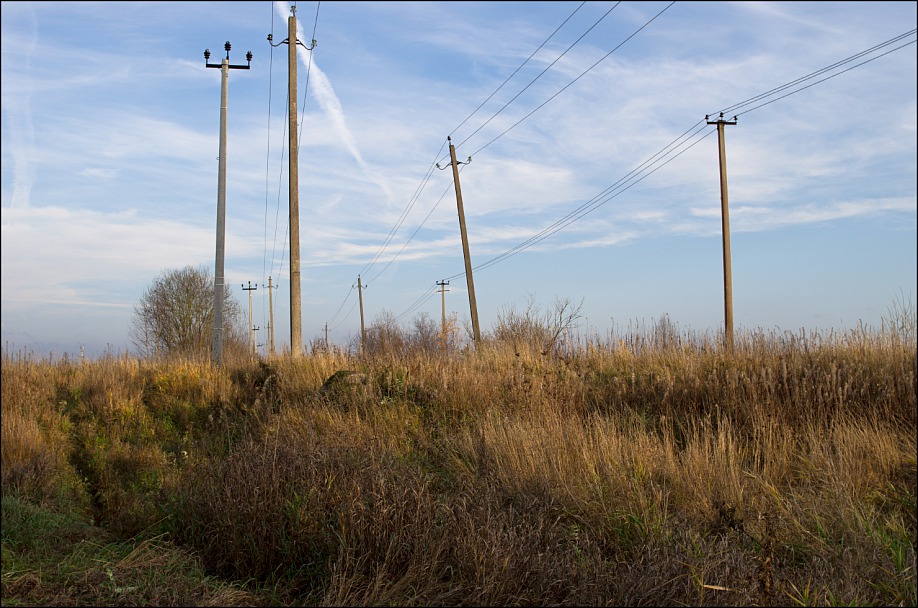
(648, 467)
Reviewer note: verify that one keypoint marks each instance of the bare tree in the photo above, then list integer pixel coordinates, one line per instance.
(535, 329)
(175, 316)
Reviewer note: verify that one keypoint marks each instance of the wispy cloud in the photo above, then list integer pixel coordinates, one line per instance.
(324, 93)
(17, 106)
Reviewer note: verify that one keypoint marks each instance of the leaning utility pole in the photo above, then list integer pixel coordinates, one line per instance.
(442, 285)
(363, 331)
(296, 315)
(216, 352)
(250, 289)
(465, 241)
(725, 227)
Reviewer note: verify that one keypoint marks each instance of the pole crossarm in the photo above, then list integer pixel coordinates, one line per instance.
(227, 46)
(719, 120)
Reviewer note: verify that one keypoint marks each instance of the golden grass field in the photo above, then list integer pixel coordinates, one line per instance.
(649, 468)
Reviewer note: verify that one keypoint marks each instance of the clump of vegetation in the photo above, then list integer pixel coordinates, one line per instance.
(647, 467)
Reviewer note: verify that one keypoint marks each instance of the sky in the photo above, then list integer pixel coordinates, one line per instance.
(594, 175)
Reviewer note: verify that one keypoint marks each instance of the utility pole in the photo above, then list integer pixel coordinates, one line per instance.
(725, 228)
(296, 315)
(442, 285)
(363, 331)
(271, 289)
(216, 351)
(250, 289)
(465, 241)
(326, 336)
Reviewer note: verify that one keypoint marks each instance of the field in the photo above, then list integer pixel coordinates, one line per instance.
(650, 467)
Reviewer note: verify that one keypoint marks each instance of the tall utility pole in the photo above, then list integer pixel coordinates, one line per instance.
(271, 289)
(250, 289)
(725, 227)
(296, 315)
(442, 285)
(326, 336)
(216, 351)
(363, 331)
(465, 241)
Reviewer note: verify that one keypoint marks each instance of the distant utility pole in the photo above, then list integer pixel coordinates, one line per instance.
(442, 285)
(363, 331)
(725, 227)
(216, 352)
(326, 336)
(465, 241)
(250, 289)
(296, 315)
(271, 289)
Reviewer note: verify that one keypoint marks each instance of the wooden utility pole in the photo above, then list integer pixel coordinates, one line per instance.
(250, 289)
(442, 285)
(465, 242)
(271, 289)
(296, 315)
(363, 331)
(725, 228)
(216, 351)
(326, 336)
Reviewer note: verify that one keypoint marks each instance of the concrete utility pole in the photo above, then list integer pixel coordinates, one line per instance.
(363, 331)
(725, 227)
(442, 285)
(216, 351)
(271, 289)
(296, 315)
(250, 289)
(465, 241)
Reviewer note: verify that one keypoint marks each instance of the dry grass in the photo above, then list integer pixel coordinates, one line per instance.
(642, 469)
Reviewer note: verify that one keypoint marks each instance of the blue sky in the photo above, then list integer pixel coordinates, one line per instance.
(110, 136)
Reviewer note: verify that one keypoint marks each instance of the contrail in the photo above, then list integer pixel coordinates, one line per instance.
(331, 106)
(17, 105)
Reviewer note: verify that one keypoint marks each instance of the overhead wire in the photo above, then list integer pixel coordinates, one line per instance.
(404, 214)
(491, 96)
(546, 101)
(343, 302)
(565, 87)
(427, 295)
(413, 234)
(656, 163)
(427, 176)
(264, 259)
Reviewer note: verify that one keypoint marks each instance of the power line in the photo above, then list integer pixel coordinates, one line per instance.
(604, 197)
(527, 61)
(421, 225)
(264, 257)
(669, 150)
(429, 172)
(404, 214)
(565, 87)
(345, 317)
(431, 291)
(346, 298)
(733, 108)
